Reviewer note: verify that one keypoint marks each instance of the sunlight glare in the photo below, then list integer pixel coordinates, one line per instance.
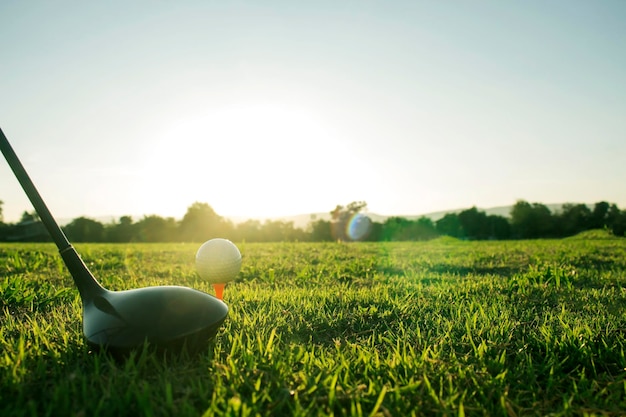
(258, 159)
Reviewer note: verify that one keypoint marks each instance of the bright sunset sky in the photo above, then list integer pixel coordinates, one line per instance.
(271, 108)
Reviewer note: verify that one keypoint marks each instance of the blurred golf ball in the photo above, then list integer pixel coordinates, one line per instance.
(218, 260)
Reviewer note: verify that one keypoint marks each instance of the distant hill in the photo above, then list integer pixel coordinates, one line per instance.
(303, 220)
(504, 211)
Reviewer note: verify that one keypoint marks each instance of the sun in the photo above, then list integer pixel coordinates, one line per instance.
(257, 159)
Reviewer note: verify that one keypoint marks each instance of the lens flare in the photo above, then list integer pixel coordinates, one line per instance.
(359, 227)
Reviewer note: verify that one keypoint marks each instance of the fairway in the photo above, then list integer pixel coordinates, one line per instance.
(444, 327)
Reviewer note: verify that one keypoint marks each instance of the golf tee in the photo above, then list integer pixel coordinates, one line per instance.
(219, 290)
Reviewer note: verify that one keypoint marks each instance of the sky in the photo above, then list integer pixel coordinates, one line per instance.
(277, 108)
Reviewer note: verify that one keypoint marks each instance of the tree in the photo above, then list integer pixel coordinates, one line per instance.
(574, 218)
(122, 231)
(156, 229)
(202, 223)
(29, 217)
(250, 231)
(396, 229)
(375, 233)
(278, 231)
(320, 230)
(3, 227)
(599, 216)
(499, 227)
(402, 229)
(617, 220)
(449, 225)
(529, 221)
(612, 214)
(474, 223)
(83, 229)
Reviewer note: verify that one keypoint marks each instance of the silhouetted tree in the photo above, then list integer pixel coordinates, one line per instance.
(599, 216)
(617, 220)
(396, 228)
(474, 223)
(29, 217)
(202, 223)
(83, 229)
(376, 232)
(156, 229)
(499, 227)
(320, 230)
(279, 231)
(529, 221)
(424, 229)
(122, 231)
(250, 231)
(573, 218)
(402, 229)
(450, 225)
(3, 227)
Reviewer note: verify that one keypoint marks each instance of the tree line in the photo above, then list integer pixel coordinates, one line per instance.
(346, 223)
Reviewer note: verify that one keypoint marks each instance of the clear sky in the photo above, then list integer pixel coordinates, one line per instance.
(270, 108)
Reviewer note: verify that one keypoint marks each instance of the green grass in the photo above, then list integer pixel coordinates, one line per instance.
(395, 329)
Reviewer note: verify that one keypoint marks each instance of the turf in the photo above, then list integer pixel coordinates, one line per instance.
(391, 329)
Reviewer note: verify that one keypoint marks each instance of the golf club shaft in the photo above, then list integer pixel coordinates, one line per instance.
(83, 278)
(29, 188)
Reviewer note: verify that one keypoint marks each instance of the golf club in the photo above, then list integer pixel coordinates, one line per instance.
(169, 318)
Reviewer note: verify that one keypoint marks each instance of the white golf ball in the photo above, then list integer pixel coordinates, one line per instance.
(218, 260)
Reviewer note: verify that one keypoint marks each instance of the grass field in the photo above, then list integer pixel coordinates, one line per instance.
(388, 329)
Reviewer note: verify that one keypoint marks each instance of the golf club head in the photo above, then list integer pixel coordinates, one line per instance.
(168, 318)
